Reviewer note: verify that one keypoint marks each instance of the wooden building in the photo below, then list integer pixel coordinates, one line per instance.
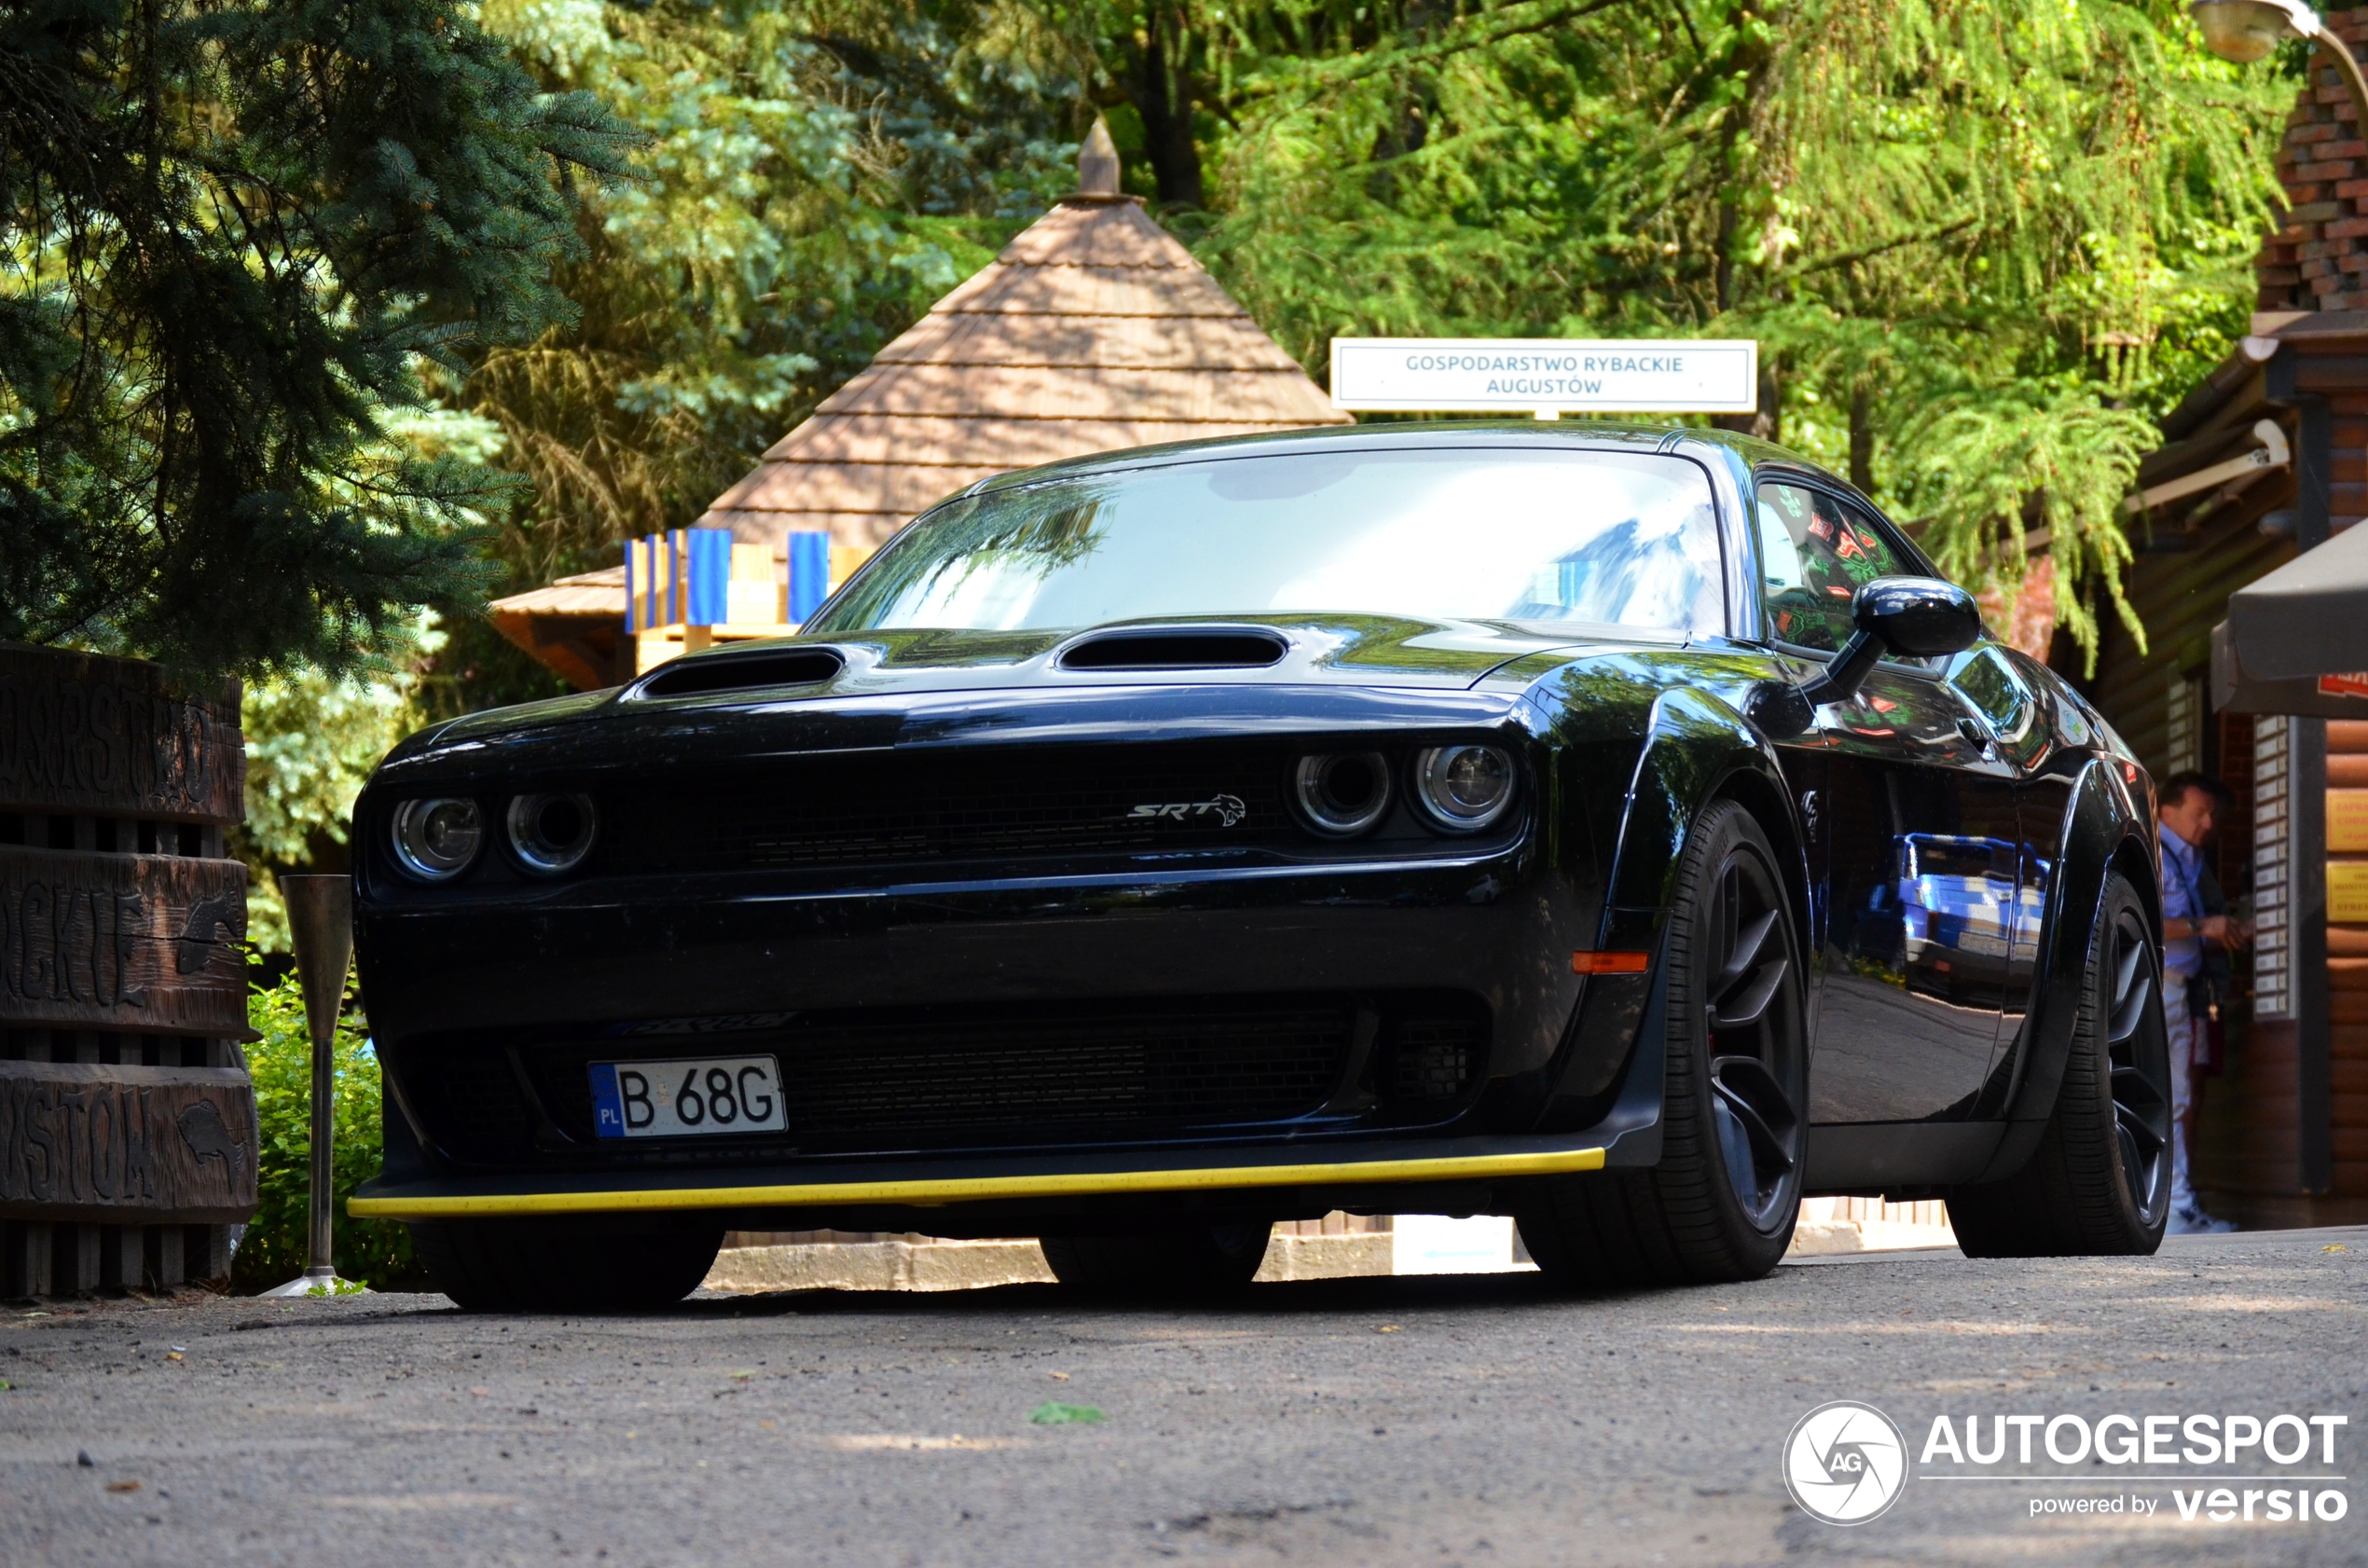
(1092, 330)
(575, 627)
(2283, 1135)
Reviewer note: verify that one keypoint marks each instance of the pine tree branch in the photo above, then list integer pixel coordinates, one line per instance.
(1868, 252)
(1331, 76)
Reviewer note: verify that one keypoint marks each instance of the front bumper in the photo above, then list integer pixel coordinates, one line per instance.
(1496, 930)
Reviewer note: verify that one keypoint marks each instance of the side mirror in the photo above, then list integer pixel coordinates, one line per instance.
(1917, 617)
(1920, 618)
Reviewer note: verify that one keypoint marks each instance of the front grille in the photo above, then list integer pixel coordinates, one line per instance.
(901, 807)
(981, 1076)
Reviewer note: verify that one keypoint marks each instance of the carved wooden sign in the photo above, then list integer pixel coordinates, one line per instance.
(80, 732)
(155, 1145)
(114, 755)
(142, 943)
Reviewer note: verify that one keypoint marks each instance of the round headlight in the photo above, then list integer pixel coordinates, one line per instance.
(434, 840)
(551, 833)
(1464, 788)
(1341, 793)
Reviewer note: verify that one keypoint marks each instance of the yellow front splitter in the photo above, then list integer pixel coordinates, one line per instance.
(966, 1189)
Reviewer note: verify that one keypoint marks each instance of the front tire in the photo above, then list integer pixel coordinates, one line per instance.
(2098, 1184)
(1188, 1262)
(1721, 1203)
(558, 1265)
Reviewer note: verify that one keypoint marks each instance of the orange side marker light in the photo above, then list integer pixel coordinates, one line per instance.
(1610, 963)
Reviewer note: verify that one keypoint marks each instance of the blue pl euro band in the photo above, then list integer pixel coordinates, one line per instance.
(607, 1107)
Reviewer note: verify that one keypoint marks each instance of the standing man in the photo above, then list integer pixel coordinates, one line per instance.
(2184, 812)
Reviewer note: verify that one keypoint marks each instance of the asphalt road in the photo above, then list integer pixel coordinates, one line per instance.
(1466, 1420)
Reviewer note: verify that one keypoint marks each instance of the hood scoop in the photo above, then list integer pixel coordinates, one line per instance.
(1177, 648)
(740, 672)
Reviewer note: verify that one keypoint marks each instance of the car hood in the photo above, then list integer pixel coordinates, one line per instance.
(886, 673)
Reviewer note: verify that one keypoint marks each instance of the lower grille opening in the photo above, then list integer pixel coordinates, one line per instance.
(981, 1076)
(1433, 1058)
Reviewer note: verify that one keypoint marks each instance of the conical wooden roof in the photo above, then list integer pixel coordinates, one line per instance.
(1092, 331)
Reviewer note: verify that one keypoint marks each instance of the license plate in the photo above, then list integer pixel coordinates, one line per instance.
(687, 1099)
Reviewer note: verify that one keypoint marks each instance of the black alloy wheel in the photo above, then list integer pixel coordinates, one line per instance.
(2099, 1181)
(2138, 1047)
(1721, 1203)
(1754, 1067)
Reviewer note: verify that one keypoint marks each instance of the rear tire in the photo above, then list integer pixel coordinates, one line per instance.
(2098, 1184)
(559, 1265)
(1721, 1203)
(1185, 1262)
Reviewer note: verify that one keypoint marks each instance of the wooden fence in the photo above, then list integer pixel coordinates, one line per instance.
(127, 1136)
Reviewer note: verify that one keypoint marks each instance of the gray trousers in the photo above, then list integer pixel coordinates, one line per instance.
(2182, 1100)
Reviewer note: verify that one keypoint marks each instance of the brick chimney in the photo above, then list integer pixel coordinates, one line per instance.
(2319, 259)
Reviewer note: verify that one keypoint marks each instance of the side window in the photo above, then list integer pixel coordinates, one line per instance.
(1997, 691)
(1814, 553)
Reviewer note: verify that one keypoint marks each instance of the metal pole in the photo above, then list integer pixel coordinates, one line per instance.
(321, 919)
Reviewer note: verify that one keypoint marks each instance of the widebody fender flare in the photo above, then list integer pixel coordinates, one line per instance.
(2107, 826)
(1696, 748)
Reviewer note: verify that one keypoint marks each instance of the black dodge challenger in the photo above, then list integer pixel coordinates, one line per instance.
(1623, 829)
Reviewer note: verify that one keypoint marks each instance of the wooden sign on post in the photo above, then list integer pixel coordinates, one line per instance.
(128, 1133)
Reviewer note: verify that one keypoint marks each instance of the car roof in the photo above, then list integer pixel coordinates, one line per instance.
(1534, 435)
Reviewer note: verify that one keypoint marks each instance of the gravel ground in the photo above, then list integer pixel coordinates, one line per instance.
(1463, 1421)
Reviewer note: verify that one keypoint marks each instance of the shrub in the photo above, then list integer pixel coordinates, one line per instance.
(374, 1252)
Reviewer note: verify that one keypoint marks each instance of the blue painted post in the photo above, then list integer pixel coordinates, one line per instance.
(676, 607)
(632, 605)
(710, 595)
(809, 572)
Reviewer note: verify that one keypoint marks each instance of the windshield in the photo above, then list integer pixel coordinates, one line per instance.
(1564, 537)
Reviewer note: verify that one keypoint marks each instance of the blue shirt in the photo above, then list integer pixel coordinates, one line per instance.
(2182, 900)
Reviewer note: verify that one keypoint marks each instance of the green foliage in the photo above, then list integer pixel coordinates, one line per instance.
(373, 1252)
(813, 176)
(231, 232)
(311, 742)
(1982, 242)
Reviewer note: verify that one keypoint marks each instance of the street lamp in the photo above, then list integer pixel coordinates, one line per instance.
(2245, 30)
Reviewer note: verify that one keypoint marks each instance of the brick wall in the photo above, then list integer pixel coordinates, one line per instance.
(2319, 261)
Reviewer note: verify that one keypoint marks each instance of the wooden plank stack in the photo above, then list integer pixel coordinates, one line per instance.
(2346, 1067)
(128, 1132)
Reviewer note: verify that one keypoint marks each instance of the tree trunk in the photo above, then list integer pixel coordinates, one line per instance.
(1751, 61)
(1767, 423)
(1862, 438)
(1159, 83)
